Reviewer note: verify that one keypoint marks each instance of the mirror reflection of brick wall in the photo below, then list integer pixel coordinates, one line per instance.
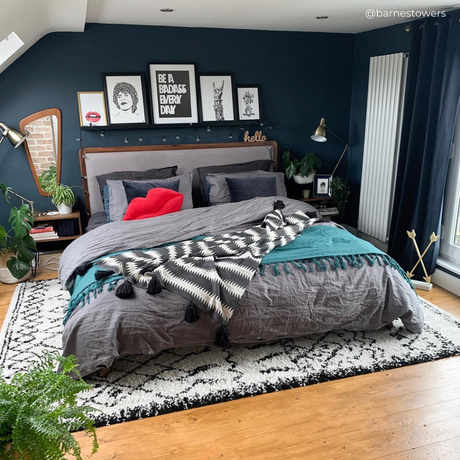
(41, 144)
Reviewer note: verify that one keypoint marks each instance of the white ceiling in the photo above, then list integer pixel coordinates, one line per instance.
(32, 19)
(294, 15)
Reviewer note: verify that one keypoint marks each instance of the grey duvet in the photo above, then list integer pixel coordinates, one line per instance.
(273, 307)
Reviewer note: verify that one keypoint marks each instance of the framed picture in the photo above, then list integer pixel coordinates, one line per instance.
(248, 103)
(91, 106)
(217, 101)
(322, 185)
(174, 97)
(125, 97)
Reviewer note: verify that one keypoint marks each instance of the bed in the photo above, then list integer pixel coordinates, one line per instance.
(324, 280)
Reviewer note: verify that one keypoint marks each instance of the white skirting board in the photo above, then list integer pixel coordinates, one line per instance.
(446, 281)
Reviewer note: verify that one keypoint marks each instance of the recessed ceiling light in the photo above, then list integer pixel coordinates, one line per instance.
(166, 10)
(322, 17)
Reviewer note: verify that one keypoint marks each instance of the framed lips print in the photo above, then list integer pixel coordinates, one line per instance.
(91, 105)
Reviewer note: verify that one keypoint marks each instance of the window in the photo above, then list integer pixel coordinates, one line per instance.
(450, 244)
(9, 46)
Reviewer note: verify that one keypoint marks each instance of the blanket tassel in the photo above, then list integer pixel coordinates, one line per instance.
(192, 313)
(103, 274)
(125, 290)
(154, 286)
(221, 339)
(83, 268)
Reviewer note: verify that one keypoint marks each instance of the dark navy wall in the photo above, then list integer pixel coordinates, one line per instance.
(303, 77)
(374, 43)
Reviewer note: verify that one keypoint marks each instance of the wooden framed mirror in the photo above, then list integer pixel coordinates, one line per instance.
(43, 147)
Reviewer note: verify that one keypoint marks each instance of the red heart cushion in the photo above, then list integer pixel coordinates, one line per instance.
(158, 202)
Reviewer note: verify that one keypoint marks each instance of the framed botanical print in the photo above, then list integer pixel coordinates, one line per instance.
(174, 98)
(217, 98)
(125, 97)
(91, 106)
(322, 185)
(248, 103)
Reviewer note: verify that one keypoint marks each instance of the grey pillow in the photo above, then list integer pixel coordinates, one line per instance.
(261, 165)
(118, 203)
(140, 189)
(247, 188)
(218, 191)
(162, 173)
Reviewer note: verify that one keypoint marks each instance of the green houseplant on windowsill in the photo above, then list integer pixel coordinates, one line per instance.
(302, 171)
(16, 244)
(38, 411)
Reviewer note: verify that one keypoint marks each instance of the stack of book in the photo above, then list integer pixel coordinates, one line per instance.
(43, 232)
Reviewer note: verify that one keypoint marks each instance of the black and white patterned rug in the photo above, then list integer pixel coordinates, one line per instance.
(143, 386)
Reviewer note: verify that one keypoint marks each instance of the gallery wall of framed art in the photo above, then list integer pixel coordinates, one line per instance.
(175, 95)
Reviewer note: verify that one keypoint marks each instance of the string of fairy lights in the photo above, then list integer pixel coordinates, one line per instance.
(215, 133)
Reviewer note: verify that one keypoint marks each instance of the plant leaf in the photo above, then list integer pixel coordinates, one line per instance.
(2, 237)
(18, 266)
(20, 246)
(21, 220)
(290, 170)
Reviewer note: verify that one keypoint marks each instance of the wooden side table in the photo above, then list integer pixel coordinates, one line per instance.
(59, 217)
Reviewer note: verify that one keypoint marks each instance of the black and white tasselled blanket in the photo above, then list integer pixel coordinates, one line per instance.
(212, 273)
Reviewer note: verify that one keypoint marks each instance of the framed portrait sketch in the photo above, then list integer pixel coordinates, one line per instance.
(249, 103)
(125, 97)
(217, 98)
(174, 97)
(91, 106)
(322, 185)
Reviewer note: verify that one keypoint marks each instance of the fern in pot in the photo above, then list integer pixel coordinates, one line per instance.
(302, 171)
(63, 198)
(38, 411)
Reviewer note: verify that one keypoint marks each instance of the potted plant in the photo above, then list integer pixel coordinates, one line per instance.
(302, 171)
(38, 410)
(340, 192)
(48, 179)
(16, 244)
(63, 198)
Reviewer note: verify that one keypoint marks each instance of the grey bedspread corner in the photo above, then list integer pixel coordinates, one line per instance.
(119, 236)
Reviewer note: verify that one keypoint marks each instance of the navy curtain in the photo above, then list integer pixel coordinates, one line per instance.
(430, 111)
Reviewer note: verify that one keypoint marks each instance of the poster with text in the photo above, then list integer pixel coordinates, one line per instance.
(173, 93)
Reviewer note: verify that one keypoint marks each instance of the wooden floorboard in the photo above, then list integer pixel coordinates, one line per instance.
(406, 413)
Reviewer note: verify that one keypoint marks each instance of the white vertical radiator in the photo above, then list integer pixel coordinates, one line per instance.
(385, 100)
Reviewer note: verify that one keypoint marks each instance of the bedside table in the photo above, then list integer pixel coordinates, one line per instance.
(56, 218)
(322, 204)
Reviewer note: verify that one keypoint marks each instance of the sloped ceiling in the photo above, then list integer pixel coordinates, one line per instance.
(32, 19)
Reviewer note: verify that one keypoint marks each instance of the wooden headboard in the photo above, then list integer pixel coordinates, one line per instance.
(95, 161)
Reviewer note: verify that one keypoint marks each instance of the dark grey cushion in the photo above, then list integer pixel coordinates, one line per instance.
(257, 165)
(162, 173)
(140, 189)
(247, 188)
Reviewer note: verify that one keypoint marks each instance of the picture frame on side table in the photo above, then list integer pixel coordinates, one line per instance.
(174, 94)
(322, 185)
(217, 98)
(249, 103)
(126, 98)
(91, 107)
